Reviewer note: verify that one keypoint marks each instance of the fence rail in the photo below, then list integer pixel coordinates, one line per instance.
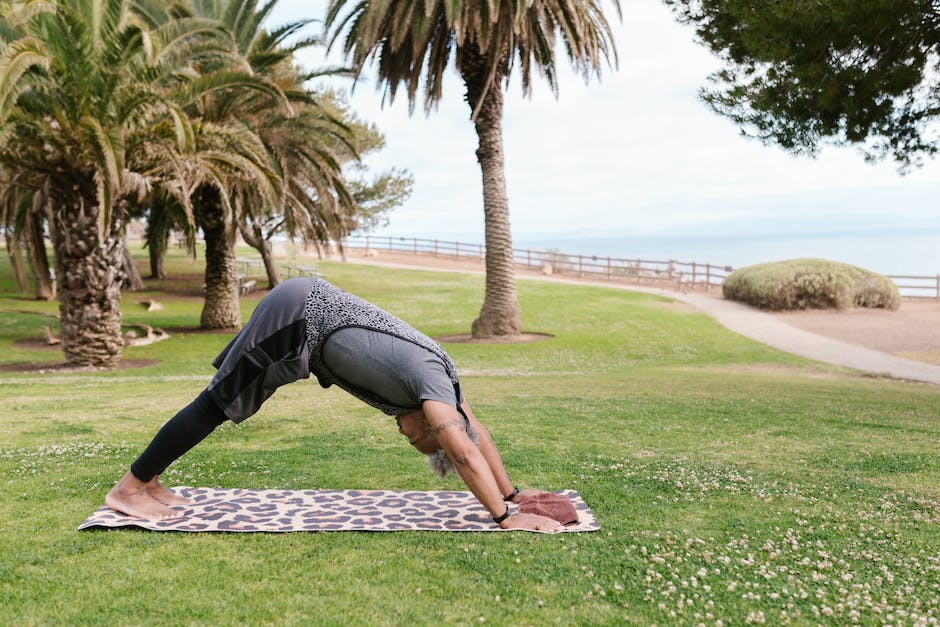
(256, 266)
(684, 275)
(917, 287)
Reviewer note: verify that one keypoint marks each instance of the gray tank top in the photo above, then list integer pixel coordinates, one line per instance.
(329, 309)
(397, 371)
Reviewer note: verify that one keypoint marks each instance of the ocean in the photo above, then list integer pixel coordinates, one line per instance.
(902, 252)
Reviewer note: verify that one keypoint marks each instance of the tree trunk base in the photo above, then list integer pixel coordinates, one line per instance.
(507, 321)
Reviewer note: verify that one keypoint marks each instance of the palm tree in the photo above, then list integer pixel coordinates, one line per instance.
(10, 212)
(307, 147)
(163, 213)
(315, 149)
(83, 114)
(302, 142)
(26, 213)
(485, 39)
(261, 52)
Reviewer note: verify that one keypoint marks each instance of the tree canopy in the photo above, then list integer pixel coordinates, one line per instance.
(802, 74)
(186, 112)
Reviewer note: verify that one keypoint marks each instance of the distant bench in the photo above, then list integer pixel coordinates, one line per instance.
(256, 266)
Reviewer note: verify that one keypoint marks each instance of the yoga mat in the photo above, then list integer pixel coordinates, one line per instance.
(278, 511)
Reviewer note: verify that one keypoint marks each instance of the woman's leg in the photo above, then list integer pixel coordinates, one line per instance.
(270, 351)
(139, 493)
(186, 429)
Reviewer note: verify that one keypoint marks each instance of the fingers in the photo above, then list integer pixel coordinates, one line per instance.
(533, 522)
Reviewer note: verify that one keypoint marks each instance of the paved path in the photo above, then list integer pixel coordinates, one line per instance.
(762, 327)
(767, 329)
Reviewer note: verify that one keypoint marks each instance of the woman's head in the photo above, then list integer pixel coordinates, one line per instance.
(415, 427)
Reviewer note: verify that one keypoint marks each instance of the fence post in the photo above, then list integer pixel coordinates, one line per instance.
(693, 276)
(416, 245)
(608, 269)
(937, 293)
(580, 266)
(389, 243)
(708, 277)
(457, 250)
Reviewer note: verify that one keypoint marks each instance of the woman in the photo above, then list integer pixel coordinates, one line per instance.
(307, 325)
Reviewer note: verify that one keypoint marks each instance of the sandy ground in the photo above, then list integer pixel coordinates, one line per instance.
(913, 331)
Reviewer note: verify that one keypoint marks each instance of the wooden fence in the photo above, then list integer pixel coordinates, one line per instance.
(917, 287)
(683, 275)
(256, 267)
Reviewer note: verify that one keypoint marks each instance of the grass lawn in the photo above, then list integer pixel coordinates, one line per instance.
(734, 483)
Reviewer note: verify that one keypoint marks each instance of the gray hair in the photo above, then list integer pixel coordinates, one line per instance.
(439, 461)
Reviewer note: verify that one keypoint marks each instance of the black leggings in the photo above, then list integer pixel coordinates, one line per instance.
(182, 432)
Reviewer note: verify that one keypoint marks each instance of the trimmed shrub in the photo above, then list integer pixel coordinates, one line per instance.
(810, 284)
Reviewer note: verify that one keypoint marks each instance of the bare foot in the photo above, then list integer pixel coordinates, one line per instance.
(131, 496)
(163, 494)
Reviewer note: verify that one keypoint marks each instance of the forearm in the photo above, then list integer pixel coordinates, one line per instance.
(475, 472)
(490, 454)
(447, 425)
(480, 467)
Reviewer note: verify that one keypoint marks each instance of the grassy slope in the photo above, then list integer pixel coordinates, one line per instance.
(731, 480)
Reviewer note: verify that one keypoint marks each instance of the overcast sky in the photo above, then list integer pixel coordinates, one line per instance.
(634, 153)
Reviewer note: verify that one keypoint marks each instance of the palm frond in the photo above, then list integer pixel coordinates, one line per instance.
(234, 81)
(18, 58)
(19, 13)
(414, 41)
(109, 177)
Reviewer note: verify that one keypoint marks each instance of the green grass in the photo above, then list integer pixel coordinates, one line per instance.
(733, 482)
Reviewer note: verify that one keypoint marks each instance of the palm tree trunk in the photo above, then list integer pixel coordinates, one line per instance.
(220, 310)
(255, 238)
(89, 276)
(38, 258)
(500, 314)
(133, 282)
(15, 253)
(156, 251)
(157, 236)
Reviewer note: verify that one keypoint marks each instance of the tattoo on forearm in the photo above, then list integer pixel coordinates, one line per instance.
(446, 425)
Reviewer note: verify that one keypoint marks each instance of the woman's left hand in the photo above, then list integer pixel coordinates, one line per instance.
(524, 493)
(532, 522)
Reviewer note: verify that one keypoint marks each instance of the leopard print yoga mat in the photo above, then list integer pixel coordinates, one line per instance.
(274, 511)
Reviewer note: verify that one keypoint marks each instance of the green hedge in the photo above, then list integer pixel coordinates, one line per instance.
(810, 284)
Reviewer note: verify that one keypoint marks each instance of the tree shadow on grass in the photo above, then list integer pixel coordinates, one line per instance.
(60, 367)
(522, 338)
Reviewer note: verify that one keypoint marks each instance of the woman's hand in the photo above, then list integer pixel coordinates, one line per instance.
(532, 522)
(524, 493)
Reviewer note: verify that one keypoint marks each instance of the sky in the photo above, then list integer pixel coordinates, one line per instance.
(635, 153)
